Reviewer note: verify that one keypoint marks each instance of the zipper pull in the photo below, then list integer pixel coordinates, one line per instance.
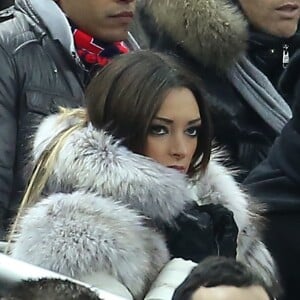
(285, 56)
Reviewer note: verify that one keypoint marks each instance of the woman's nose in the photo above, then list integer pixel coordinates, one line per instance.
(178, 148)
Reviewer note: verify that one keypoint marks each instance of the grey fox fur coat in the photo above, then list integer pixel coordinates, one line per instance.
(100, 199)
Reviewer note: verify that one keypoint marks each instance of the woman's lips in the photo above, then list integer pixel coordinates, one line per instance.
(289, 10)
(178, 168)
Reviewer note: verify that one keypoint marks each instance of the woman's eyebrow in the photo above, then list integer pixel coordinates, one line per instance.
(194, 121)
(166, 120)
(169, 121)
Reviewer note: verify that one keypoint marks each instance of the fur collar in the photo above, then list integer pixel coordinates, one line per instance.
(93, 161)
(213, 32)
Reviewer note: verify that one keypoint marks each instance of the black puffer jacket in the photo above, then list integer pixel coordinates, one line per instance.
(38, 74)
(274, 56)
(210, 36)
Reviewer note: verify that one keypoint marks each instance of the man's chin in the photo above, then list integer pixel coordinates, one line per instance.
(285, 32)
(114, 36)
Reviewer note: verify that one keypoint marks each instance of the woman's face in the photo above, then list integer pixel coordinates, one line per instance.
(277, 17)
(173, 133)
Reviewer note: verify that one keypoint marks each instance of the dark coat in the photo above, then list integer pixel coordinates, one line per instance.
(6, 3)
(267, 52)
(289, 84)
(37, 75)
(209, 44)
(276, 183)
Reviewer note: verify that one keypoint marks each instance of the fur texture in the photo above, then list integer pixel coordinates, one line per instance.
(80, 233)
(213, 32)
(101, 198)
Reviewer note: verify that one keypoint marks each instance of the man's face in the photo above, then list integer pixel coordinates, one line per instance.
(230, 293)
(277, 17)
(107, 20)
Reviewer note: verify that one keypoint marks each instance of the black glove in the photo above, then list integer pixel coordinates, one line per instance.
(203, 231)
(225, 228)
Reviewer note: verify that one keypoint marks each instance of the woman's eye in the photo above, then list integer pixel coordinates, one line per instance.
(158, 130)
(193, 131)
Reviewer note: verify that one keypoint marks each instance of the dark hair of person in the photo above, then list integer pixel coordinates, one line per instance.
(48, 289)
(125, 96)
(215, 271)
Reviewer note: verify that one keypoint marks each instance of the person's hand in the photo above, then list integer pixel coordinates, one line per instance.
(225, 228)
(193, 238)
(203, 231)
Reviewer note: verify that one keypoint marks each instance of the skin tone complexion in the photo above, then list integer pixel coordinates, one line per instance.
(277, 17)
(172, 138)
(107, 20)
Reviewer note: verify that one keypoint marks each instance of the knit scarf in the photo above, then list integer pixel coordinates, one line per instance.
(260, 94)
(94, 52)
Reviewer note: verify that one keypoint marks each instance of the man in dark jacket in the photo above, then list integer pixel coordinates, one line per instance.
(46, 60)
(276, 182)
(273, 38)
(212, 38)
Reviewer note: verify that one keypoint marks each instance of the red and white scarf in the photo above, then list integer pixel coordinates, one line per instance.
(94, 52)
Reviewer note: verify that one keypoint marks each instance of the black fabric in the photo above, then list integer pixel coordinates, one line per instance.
(289, 83)
(37, 76)
(6, 3)
(203, 231)
(266, 53)
(276, 182)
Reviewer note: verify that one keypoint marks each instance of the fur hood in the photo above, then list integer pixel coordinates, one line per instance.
(102, 199)
(213, 32)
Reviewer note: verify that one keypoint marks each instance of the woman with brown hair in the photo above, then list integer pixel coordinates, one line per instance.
(129, 182)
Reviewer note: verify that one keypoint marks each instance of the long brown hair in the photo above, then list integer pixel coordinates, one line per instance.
(125, 96)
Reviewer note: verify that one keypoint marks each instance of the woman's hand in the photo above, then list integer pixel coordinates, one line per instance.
(203, 231)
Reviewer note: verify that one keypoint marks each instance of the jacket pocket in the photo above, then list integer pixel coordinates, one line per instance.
(46, 103)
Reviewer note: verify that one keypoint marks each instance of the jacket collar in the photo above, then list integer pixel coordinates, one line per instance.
(49, 17)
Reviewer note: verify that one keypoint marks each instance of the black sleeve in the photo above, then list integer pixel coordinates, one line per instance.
(276, 180)
(8, 132)
(276, 183)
